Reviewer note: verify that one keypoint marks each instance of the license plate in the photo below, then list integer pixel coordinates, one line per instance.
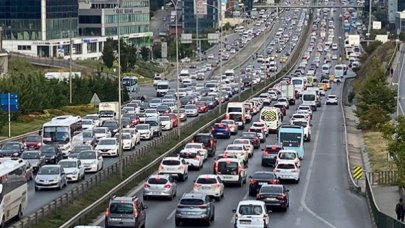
(271, 199)
(245, 222)
(115, 219)
(226, 177)
(205, 187)
(261, 183)
(286, 176)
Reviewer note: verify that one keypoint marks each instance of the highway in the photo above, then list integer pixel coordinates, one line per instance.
(321, 199)
(400, 72)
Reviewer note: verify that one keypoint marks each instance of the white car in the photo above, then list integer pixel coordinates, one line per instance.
(101, 132)
(73, 168)
(334, 46)
(233, 127)
(94, 117)
(301, 115)
(332, 99)
(283, 101)
(145, 131)
(251, 213)
(166, 123)
(210, 185)
(305, 108)
(88, 124)
(91, 160)
(307, 128)
(289, 155)
(266, 98)
(174, 166)
(262, 125)
(134, 134)
(193, 159)
(247, 143)
(240, 150)
(107, 147)
(198, 147)
(151, 113)
(287, 170)
(128, 142)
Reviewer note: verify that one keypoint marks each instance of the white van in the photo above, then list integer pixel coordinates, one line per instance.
(251, 213)
(232, 171)
(339, 70)
(309, 98)
(325, 69)
(230, 74)
(184, 74)
(237, 112)
(273, 66)
(161, 88)
(271, 116)
(299, 84)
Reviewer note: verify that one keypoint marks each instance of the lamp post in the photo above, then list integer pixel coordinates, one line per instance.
(119, 94)
(70, 61)
(177, 69)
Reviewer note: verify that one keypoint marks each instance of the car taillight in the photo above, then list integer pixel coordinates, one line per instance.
(181, 167)
(106, 215)
(167, 186)
(196, 186)
(252, 181)
(294, 170)
(276, 170)
(259, 197)
(215, 168)
(197, 158)
(280, 197)
(135, 211)
(193, 141)
(212, 129)
(211, 143)
(203, 206)
(274, 181)
(160, 168)
(146, 186)
(254, 139)
(264, 152)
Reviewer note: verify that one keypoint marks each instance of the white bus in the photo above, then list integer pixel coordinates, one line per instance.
(13, 189)
(60, 130)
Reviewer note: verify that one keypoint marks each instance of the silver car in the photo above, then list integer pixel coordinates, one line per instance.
(50, 176)
(159, 186)
(191, 110)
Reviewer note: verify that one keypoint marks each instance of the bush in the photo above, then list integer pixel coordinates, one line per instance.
(25, 119)
(54, 112)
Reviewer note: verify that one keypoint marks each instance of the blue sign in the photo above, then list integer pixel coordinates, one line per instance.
(9, 100)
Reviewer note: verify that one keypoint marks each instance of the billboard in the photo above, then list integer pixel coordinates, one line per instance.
(377, 25)
(200, 7)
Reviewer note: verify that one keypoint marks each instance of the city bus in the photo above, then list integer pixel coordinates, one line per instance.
(13, 189)
(60, 130)
(291, 137)
(131, 83)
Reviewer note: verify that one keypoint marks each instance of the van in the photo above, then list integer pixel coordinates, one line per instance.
(184, 74)
(236, 111)
(251, 213)
(230, 74)
(309, 98)
(325, 69)
(232, 171)
(299, 85)
(272, 117)
(339, 71)
(161, 88)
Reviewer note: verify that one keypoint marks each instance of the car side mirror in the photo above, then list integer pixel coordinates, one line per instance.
(287, 190)
(234, 210)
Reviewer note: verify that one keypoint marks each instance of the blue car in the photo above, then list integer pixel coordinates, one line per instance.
(219, 130)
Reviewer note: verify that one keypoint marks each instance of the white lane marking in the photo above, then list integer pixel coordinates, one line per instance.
(102, 217)
(171, 215)
(399, 86)
(298, 222)
(233, 216)
(246, 195)
(308, 177)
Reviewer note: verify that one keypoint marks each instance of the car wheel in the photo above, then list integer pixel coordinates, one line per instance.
(182, 177)
(3, 222)
(37, 189)
(60, 186)
(177, 222)
(20, 213)
(83, 176)
(297, 181)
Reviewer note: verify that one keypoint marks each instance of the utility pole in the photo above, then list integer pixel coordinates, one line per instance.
(70, 61)
(120, 154)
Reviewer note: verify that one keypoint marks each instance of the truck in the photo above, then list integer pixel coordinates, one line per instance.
(108, 110)
(61, 76)
(288, 91)
(346, 27)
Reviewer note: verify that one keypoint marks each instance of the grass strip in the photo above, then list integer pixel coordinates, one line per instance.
(378, 152)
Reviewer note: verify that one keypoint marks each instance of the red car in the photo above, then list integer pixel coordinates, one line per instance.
(33, 142)
(173, 118)
(202, 107)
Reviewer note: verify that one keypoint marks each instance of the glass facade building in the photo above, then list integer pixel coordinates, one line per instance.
(61, 19)
(206, 23)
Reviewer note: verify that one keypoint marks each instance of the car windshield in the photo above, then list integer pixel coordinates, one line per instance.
(92, 117)
(155, 101)
(192, 146)
(263, 175)
(48, 149)
(30, 155)
(190, 107)
(250, 210)
(77, 149)
(152, 123)
(229, 122)
(206, 180)
(191, 201)
(332, 97)
(290, 139)
(67, 164)
(87, 122)
(271, 189)
(142, 127)
(285, 166)
(98, 130)
(300, 123)
(157, 180)
(249, 135)
(87, 155)
(33, 138)
(110, 124)
(188, 155)
(87, 134)
(287, 155)
(165, 118)
(107, 142)
(234, 147)
(171, 162)
(11, 146)
(227, 167)
(201, 139)
(126, 136)
(49, 171)
(121, 208)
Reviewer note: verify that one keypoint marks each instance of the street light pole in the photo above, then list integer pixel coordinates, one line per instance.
(177, 71)
(120, 154)
(70, 61)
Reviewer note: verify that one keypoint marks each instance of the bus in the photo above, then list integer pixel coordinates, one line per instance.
(131, 83)
(291, 137)
(13, 189)
(60, 130)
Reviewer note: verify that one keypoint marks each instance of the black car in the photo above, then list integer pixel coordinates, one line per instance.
(208, 140)
(269, 155)
(112, 125)
(51, 153)
(260, 178)
(253, 137)
(163, 109)
(210, 101)
(12, 149)
(274, 196)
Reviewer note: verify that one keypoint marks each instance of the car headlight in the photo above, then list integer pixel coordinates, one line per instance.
(93, 162)
(56, 179)
(74, 172)
(53, 157)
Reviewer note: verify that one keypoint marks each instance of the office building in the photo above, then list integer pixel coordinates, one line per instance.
(392, 10)
(207, 16)
(400, 22)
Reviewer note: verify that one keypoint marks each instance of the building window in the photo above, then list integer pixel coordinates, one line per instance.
(77, 49)
(89, 19)
(91, 47)
(24, 47)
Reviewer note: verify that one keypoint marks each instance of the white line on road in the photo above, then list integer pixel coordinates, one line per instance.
(308, 177)
(298, 222)
(171, 215)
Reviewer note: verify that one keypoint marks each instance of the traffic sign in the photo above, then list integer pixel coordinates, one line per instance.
(95, 100)
(9, 100)
(357, 172)
(186, 38)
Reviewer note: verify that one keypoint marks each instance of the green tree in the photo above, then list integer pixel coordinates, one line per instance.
(145, 53)
(402, 36)
(372, 46)
(132, 56)
(157, 50)
(108, 53)
(375, 100)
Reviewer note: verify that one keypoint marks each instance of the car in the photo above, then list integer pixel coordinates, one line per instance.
(283, 101)
(77, 149)
(253, 137)
(332, 99)
(159, 186)
(219, 130)
(240, 150)
(145, 131)
(208, 140)
(94, 117)
(262, 125)
(32, 142)
(198, 147)
(274, 196)
(128, 142)
(101, 132)
(163, 109)
(174, 166)
(251, 213)
(50, 176)
(51, 153)
(89, 138)
(233, 127)
(287, 170)
(107, 147)
(151, 113)
(260, 178)
(12, 149)
(282, 108)
(155, 126)
(202, 107)
(289, 155)
(305, 108)
(300, 116)
(210, 185)
(166, 123)
(306, 125)
(220, 156)
(134, 134)
(191, 110)
(195, 206)
(181, 114)
(88, 124)
(34, 158)
(112, 126)
(73, 168)
(269, 155)
(193, 159)
(124, 211)
(247, 143)
(91, 160)
(261, 133)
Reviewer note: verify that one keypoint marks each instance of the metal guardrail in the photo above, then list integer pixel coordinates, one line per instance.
(380, 219)
(18, 137)
(152, 167)
(383, 178)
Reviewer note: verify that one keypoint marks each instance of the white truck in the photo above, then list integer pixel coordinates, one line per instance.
(61, 76)
(288, 91)
(108, 110)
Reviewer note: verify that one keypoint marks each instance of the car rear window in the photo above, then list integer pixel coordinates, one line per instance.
(250, 210)
(285, 166)
(287, 155)
(121, 208)
(271, 189)
(206, 181)
(157, 181)
(171, 162)
(263, 176)
(188, 155)
(201, 139)
(192, 201)
(255, 130)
